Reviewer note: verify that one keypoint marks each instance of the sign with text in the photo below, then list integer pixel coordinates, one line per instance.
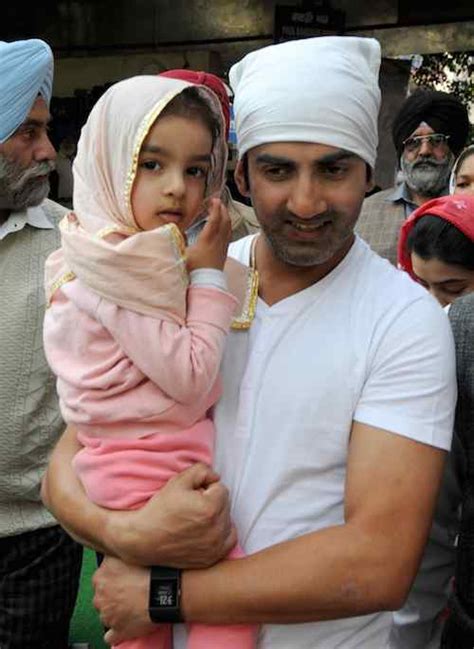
(307, 20)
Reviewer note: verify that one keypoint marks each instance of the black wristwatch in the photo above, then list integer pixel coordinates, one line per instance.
(165, 595)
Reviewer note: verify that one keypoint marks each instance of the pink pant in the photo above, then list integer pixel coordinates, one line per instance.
(123, 474)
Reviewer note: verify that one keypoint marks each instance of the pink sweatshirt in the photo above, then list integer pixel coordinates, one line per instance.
(137, 389)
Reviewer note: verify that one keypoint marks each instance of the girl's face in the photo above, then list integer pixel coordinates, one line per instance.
(465, 177)
(172, 171)
(444, 281)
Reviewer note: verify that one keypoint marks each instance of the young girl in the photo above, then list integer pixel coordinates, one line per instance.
(135, 340)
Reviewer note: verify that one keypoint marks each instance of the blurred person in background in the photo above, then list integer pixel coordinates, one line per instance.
(430, 129)
(462, 175)
(39, 563)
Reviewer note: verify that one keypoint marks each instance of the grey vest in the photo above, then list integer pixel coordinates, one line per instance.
(30, 422)
(379, 224)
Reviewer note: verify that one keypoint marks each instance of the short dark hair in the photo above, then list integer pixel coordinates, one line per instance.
(190, 103)
(432, 237)
(245, 169)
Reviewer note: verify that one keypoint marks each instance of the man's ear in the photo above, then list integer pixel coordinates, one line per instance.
(370, 182)
(241, 177)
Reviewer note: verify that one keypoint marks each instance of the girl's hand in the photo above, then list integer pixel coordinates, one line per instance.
(210, 249)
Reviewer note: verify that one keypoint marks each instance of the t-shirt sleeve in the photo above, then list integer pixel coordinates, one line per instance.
(410, 386)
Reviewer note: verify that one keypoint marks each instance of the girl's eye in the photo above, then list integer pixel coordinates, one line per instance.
(151, 165)
(455, 291)
(197, 172)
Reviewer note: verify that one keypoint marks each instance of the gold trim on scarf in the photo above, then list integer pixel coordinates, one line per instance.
(143, 130)
(115, 229)
(179, 245)
(64, 279)
(247, 314)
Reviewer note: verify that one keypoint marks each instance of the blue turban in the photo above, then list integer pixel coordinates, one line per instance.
(26, 71)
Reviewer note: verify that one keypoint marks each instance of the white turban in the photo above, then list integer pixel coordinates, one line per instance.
(26, 71)
(322, 90)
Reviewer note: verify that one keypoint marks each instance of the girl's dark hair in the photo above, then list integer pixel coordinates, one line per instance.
(433, 237)
(191, 104)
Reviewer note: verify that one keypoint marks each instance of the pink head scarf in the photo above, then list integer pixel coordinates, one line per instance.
(129, 270)
(457, 210)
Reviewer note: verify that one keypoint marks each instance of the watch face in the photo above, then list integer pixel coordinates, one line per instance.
(165, 594)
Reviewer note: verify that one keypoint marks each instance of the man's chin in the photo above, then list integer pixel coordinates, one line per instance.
(33, 198)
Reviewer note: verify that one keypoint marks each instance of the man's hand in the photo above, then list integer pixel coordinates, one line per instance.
(185, 525)
(210, 249)
(121, 597)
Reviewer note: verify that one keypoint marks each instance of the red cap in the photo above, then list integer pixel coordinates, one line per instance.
(456, 209)
(209, 80)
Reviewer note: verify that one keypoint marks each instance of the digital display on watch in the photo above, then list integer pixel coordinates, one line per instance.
(165, 593)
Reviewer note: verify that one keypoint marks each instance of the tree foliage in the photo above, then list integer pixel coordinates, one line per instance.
(449, 71)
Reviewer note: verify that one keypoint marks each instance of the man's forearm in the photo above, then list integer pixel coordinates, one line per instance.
(331, 574)
(64, 496)
(186, 524)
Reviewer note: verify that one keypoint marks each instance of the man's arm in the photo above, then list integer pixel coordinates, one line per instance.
(365, 565)
(186, 524)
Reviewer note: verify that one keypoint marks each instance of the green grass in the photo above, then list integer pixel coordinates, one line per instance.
(85, 625)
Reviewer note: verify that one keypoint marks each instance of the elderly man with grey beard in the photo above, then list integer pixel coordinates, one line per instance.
(429, 131)
(39, 563)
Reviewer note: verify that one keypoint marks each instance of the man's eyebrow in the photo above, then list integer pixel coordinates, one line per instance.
(34, 122)
(267, 158)
(329, 158)
(151, 148)
(337, 156)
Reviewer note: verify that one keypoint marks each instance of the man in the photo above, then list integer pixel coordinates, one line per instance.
(39, 563)
(429, 131)
(337, 403)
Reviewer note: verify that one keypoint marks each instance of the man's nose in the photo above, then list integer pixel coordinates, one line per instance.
(44, 150)
(426, 148)
(307, 199)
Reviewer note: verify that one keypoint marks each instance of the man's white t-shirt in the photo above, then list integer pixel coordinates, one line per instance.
(364, 343)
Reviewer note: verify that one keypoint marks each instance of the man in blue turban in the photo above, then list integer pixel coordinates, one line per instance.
(39, 563)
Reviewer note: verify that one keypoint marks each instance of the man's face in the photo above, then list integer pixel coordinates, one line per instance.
(426, 162)
(26, 159)
(307, 198)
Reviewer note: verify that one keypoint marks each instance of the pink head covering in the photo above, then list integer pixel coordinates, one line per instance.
(127, 272)
(457, 210)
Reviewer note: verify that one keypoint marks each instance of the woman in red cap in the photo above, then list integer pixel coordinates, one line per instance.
(436, 246)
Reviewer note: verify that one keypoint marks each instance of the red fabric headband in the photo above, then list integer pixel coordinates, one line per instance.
(457, 209)
(210, 81)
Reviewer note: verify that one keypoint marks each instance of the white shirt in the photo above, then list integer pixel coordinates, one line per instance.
(365, 343)
(33, 216)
